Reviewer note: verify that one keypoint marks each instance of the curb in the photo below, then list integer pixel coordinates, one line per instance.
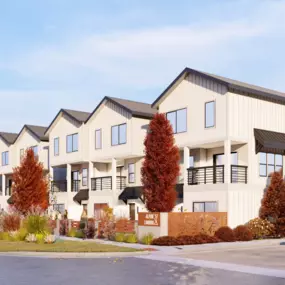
(67, 255)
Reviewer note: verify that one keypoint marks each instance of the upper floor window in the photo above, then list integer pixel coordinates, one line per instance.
(35, 150)
(131, 170)
(269, 162)
(72, 143)
(191, 161)
(210, 114)
(178, 120)
(98, 139)
(5, 158)
(205, 207)
(84, 176)
(56, 146)
(119, 134)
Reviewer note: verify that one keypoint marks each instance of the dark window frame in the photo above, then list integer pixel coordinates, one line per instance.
(204, 202)
(118, 126)
(5, 161)
(267, 164)
(33, 147)
(54, 153)
(71, 135)
(100, 139)
(83, 177)
(129, 173)
(175, 111)
(56, 207)
(205, 116)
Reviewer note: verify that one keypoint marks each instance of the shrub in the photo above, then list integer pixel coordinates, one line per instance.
(11, 222)
(165, 241)
(260, 228)
(40, 238)
(49, 239)
(13, 235)
(80, 234)
(243, 233)
(82, 225)
(280, 227)
(90, 232)
(63, 227)
(119, 237)
(147, 239)
(225, 234)
(72, 232)
(4, 236)
(22, 233)
(131, 238)
(37, 223)
(31, 238)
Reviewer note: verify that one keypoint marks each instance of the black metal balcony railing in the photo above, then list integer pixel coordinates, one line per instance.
(8, 190)
(216, 174)
(238, 174)
(121, 182)
(59, 186)
(75, 185)
(101, 183)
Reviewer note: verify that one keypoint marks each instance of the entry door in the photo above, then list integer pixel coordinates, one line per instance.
(132, 211)
(75, 180)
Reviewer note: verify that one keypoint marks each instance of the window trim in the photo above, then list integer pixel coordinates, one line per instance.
(205, 116)
(100, 138)
(55, 154)
(72, 143)
(204, 202)
(6, 153)
(129, 173)
(83, 184)
(175, 111)
(118, 126)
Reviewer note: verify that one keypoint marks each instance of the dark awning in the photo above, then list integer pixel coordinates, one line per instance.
(136, 192)
(82, 195)
(270, 142)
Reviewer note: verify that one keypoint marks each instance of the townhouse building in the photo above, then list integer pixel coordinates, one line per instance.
(231, 136)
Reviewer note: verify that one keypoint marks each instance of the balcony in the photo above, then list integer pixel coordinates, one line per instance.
(216, 174)
(105, 183)
(59, 186)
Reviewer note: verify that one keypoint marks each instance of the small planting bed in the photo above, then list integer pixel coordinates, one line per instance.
(61, 246)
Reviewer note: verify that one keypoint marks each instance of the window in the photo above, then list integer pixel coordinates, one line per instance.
(131, 170)
(210, 114)
(119, 134)
(98, 139)
(178, 120)
(72, 143)
(269, 162)
(59, 208)
(56, 146)
(191, 161)
(35, 150)
(5, 158)
(84, 177)
(205, 207)
(21, 154)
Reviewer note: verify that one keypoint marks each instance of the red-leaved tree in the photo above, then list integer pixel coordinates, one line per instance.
(161, 166)
(272, 204)
(30, 186)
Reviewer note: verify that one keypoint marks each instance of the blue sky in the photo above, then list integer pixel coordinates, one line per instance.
(69, 54)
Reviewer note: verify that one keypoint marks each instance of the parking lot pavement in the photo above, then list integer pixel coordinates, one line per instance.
(267, 257)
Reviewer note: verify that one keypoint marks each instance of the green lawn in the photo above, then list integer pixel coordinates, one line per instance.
(61, 246)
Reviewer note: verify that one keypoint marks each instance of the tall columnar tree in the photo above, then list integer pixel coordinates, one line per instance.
(30, 186)
(161, 166)
(273, 202)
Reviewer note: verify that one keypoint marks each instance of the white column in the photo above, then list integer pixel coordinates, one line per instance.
(3, 184)
(114, 182)
(227, 166)
(90, 173)
(68, 177)
(186, 154)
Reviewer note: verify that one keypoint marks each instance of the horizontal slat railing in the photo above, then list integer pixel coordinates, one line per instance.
(101, 183)
(59, 186)
(121, 182)
(206, 175)
(238, 174)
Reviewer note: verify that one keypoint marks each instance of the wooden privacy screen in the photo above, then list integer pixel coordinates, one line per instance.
(125, 226)
(195, 223)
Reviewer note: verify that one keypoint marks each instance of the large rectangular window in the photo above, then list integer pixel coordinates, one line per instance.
(205, 207)
(84, 177)
(59, 208)
(72, 143)
(269, 162)
(98, 139)
(210, 114)
(119, 134)
(5, 158)
(56, 146)
(178, 120)
(35, 150)
(131, 172)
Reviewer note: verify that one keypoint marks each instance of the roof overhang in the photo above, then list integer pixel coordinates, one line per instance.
(82, 195)
(269, 142)
(26, 128)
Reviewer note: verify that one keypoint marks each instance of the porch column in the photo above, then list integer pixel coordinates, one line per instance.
(186, 154)
(90, 173)
(227, 166)
(68, 177)
(3, 184)
(114, 174)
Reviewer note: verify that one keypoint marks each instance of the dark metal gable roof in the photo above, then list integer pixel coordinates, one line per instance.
(136, 109)
(37, 131)
(234, 86)
(9, 138)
